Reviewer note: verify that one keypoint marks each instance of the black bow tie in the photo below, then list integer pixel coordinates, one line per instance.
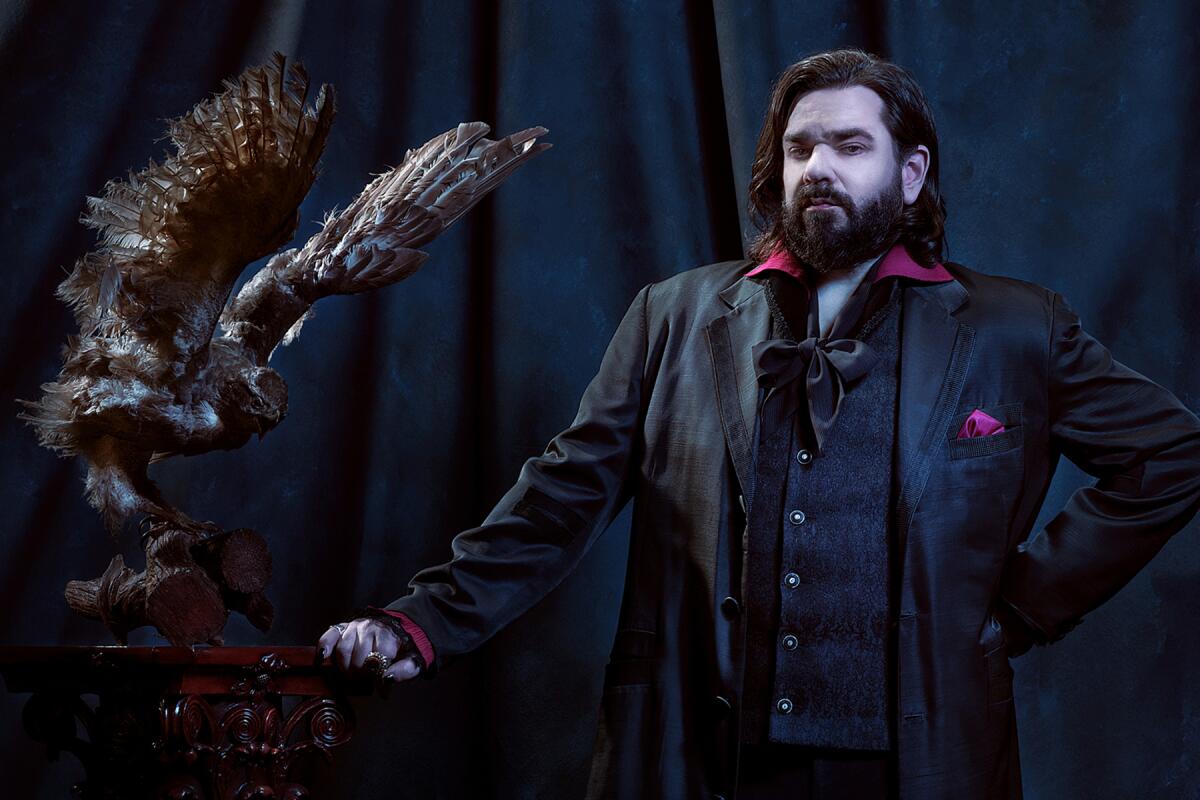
(827, 366)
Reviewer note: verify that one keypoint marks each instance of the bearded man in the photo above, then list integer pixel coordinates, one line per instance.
(837, 450)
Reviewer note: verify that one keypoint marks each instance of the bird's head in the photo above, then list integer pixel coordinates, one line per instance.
(267, 398)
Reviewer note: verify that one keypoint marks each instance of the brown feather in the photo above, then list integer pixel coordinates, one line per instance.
(146, 379)
(172, 240)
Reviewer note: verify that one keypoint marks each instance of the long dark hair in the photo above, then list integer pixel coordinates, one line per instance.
(907, 116)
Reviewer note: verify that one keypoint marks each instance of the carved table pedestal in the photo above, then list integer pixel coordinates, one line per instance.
(203, 723)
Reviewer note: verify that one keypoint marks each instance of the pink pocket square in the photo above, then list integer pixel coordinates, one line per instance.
(980, 424)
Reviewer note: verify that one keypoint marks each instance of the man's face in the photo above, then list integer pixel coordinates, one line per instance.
(843, 187)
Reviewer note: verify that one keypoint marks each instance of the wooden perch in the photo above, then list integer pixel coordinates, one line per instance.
(190, 584)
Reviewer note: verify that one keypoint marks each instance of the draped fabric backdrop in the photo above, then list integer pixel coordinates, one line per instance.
(1069, 158)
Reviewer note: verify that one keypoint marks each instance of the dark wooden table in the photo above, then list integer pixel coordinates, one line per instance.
(194, 723)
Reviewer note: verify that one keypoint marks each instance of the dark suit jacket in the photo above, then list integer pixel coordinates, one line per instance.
(667, 421)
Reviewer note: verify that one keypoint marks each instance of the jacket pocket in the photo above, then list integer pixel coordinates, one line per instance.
(1009, 415)
(632, 661)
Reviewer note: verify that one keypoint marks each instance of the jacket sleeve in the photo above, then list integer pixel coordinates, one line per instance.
(542, 527)
(1143, 446)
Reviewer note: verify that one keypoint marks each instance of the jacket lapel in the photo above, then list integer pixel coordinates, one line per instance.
(935, 354)
(730, 337)
(934, 359)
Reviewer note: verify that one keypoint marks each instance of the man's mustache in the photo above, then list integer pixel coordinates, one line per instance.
(806, 195)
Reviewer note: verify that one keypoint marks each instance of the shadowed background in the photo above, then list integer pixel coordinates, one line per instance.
(1068, 159)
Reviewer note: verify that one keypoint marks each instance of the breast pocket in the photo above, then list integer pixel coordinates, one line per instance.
(1008, 414)
(632, 662)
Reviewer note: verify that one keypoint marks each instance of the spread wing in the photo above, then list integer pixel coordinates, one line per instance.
(408, 206)
(373, 242)
(175, 236)
(173, 239)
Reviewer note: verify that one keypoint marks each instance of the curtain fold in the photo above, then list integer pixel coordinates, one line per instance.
(1068, 159)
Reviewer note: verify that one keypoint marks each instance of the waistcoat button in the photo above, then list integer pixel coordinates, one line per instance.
(791, 580)
(784, 705)
(730, 607)
(790, 642)
(804, 457)
(722, 705)
(797, 517)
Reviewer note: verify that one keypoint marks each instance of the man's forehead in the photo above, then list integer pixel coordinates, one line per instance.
(819, 112)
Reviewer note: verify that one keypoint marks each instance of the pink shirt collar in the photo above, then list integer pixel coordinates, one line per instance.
(897, 262)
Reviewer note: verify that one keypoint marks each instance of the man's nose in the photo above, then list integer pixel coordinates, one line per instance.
(820, 165)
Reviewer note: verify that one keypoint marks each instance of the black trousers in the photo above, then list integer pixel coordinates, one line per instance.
(793, 772)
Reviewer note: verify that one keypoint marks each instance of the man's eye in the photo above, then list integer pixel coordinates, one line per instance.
(797, 151)
(853, 149)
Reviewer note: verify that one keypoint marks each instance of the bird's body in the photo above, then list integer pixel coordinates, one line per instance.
(149, 376)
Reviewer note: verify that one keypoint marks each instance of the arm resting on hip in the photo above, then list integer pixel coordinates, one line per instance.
(1143, 446)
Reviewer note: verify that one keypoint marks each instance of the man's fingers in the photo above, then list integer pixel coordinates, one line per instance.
(401, 671)
(345, 647)
(328, 641)
(350, 646)
(386, 641)
(364, 645)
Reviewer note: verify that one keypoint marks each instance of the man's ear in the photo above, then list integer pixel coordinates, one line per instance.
(912, 173)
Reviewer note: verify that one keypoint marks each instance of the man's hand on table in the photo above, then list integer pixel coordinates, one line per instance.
(348, 645)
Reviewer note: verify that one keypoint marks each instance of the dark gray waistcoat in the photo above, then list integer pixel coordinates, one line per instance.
(819, 549)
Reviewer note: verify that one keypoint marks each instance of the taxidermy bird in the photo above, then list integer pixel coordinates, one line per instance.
(149, 376)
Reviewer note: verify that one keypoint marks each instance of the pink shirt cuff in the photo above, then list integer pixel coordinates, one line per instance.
(414, 630)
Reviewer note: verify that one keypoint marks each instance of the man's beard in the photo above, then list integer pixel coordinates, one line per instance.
(818, 238)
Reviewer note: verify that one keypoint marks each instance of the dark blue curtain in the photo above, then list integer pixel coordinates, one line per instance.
(1069, 159)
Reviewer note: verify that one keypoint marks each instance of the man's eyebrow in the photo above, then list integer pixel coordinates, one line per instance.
(837, 136)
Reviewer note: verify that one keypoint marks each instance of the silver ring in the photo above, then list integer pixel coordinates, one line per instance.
(340, 626)
(376, 662)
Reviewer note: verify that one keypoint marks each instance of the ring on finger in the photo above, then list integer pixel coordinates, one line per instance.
(339, 626)
(376, 662)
